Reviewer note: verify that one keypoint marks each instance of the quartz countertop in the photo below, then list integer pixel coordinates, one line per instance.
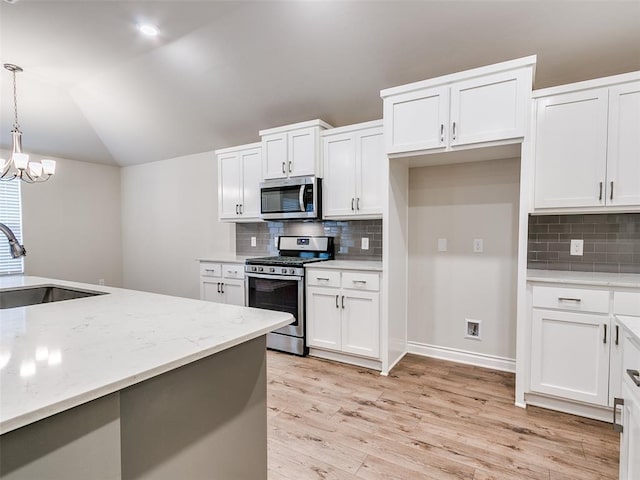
(228, 258)
(55, 356)
(631, 324)
(627, 280)
(371, 265)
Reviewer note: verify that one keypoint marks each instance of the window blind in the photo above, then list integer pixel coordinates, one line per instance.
(11, 216)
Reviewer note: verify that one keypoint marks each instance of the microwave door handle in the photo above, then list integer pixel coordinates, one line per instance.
(301, 198)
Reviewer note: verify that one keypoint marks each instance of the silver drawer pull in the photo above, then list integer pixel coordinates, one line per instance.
(569, 299)
(359, 281)
(322, 278)
(209, 270)
(232, 271)
(635, 376)
(617, 402)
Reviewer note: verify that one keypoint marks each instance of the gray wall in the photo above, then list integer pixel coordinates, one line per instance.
(611, 242)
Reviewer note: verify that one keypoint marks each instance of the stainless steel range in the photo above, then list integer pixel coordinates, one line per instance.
(277, 283)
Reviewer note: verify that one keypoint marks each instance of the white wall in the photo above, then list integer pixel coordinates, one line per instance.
(169, 219)
(71, 223)
(462, 202)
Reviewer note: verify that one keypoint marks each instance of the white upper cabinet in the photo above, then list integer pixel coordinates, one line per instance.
(587, 146)
(487, 106)
(292, 150)
(354, 171)
(239, 182)
(623, 153)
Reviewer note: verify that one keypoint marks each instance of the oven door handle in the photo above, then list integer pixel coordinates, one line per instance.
(273, 277)
(301, 198)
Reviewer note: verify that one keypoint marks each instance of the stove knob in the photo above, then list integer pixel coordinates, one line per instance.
(253, 269)
(260, 269)
(272, 270)
(284, 270)
(292, 271)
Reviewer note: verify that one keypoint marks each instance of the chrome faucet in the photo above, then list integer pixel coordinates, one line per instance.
(17, 250)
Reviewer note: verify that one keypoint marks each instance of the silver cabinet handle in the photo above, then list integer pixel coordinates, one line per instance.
(454, 131)
(611, 192)
(569, 299)
(633, 374)
(343, 306)
(283, 170)
(352, 203)
(218, 287)
(209, 270)
(358, 203)
(617, 334)
(604, 340)
(360, 281)
(232, 271)
(600, 195)
(240, 209)
(617, 402)
(289, 167)
(237, 212)
(337, 301)
(222, 288)
(442, 133)
(322, 278)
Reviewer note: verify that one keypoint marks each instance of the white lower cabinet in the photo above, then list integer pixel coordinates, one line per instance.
(222, 283)
(630, 403)
(343, 312)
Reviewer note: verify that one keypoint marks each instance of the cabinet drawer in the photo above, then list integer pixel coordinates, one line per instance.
(626, 303)
(361, 281)
(233, 270)
(323, 278)
(209, 269)
(577, 299)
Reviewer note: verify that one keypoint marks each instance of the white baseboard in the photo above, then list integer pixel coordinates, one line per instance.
(603, 414)
(462, 356)
(345, 358)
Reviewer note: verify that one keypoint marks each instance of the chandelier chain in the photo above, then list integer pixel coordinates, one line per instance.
(16, 125)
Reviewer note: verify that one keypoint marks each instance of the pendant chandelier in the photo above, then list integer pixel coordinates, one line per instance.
(18, 166)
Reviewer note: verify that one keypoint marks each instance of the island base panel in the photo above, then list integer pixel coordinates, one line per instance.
(80, 443)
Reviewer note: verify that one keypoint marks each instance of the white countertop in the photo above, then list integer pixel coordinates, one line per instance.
(631, 324)
(228, 258)
(56, 356)
(348, 265)
(628, 280)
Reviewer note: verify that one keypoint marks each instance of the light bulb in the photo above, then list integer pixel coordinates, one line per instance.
(35, 169)
(48, 167)
(147, 29)
(21, 160)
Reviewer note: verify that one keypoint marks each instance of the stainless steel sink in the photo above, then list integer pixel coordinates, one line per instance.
(22, 297)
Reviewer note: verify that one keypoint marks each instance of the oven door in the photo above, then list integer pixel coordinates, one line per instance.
(281, 293)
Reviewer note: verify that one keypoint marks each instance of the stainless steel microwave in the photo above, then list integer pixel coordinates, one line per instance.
(291, 198)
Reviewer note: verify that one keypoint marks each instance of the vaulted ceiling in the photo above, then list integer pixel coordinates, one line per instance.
(94, 89)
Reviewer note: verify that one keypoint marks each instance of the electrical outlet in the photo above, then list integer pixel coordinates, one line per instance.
(472, 329)
(442, 244)
(253, 241)
(365, 243)
(478, 245)
(577, 247)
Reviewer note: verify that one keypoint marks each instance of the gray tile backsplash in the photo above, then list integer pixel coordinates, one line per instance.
(611, 242)
(347, 235)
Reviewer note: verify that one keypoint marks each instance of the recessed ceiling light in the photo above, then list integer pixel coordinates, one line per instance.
(148, 29)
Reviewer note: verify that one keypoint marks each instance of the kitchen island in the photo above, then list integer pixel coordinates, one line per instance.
(132, 385)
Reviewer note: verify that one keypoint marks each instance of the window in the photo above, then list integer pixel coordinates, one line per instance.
(11, 216)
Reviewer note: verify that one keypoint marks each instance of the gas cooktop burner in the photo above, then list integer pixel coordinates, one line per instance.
(282, 260)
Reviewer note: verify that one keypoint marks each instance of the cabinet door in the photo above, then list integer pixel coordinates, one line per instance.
(570, 355)
(338, 187)
(233, 292)
(370, 172)
(323, 318)
(417, 120)
(630, 438)
(361, 323)
(490, 108)
(210, 290)
(623, 157)
(570, 150)
(274, 155)
(251, 161)
(303, 151)
(228, 185)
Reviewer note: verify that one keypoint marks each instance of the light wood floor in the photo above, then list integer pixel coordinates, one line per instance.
(430, 419)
